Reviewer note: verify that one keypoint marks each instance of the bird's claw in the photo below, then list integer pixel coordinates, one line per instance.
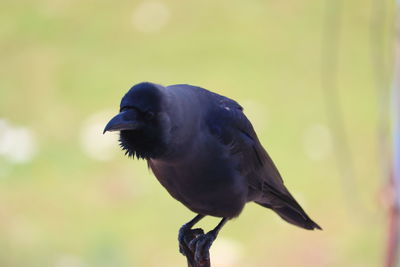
(200, 246)
(185, 236)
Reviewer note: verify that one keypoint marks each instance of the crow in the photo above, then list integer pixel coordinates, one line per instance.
(205, 152)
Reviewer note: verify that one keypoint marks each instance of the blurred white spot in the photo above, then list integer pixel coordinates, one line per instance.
(69, 261)
(150, 16)
(226, 252)
(317, 142)
(17, 143)
(94, 143)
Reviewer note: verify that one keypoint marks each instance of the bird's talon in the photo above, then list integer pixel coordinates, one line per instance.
(200, 246)
(182, 249)
(185, 237)
(197, 232)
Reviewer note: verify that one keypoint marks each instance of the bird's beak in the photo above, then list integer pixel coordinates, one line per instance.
(125, 120)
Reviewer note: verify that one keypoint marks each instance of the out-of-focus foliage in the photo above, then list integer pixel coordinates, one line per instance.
(68, 196)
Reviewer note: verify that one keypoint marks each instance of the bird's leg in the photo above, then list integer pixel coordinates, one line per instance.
(200, 245)
(187, 234)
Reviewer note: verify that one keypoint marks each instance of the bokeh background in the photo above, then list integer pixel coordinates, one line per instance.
(70, 198)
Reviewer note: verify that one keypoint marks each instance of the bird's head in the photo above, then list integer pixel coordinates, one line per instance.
(141, 121)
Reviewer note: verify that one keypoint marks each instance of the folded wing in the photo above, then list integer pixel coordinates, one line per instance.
(231, 127)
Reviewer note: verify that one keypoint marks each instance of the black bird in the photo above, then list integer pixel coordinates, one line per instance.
(205, 152)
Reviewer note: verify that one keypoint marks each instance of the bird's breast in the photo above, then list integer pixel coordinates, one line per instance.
(207, 185)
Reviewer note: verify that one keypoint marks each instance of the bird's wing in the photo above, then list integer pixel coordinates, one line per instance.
(232, 128)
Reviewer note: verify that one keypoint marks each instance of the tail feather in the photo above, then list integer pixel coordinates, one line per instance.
(296, 217)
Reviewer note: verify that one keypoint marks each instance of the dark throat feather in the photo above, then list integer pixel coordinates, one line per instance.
(142, 144)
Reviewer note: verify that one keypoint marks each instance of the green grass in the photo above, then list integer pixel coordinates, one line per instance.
(62, 61)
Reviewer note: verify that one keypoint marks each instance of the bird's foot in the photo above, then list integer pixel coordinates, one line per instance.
(185, 236)
(200, 247)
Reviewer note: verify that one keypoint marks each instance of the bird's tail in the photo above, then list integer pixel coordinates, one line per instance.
(294, 216)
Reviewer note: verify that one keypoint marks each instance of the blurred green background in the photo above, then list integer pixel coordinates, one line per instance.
(70, 198)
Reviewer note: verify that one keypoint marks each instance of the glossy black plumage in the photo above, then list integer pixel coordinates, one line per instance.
(204, 151)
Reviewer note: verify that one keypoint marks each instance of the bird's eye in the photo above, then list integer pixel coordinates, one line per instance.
(149, 115)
